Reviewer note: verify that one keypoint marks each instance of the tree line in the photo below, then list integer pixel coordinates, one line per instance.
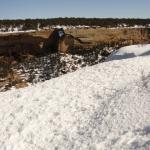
(102, 22)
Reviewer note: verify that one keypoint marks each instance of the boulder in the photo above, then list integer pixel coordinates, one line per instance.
(58, 41)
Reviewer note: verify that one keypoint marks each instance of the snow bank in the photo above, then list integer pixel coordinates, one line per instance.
(130, 52)
(106, 106)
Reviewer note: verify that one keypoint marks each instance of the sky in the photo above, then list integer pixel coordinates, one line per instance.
(21, 9)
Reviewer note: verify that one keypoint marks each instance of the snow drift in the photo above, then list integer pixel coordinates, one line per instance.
(106, 106)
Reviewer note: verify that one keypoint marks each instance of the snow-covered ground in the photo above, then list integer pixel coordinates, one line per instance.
(103, 107)
(13, 32)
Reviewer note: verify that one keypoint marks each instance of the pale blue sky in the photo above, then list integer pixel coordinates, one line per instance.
(15, 9)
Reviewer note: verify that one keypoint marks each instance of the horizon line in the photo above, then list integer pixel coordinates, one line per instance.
(75, 18)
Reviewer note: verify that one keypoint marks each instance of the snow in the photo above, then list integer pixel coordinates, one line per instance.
(130, 52)
(65, 27)
(103, 107)
(15, 31)
(18, 29)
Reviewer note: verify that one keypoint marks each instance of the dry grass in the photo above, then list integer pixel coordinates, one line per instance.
(21, 85)
(99, 35)
(102, 35)
(42, 33)
(13, 79)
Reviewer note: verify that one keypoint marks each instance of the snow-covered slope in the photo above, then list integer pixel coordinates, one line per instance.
(130, 52)
(103, 107)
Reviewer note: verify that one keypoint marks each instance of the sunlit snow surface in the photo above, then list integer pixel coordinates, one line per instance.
(103, 107)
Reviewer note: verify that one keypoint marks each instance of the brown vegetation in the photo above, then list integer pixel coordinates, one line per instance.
(21, 45)
(12, 78)
(108, 36)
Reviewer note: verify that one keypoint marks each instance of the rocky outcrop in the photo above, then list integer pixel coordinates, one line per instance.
(59, 41)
